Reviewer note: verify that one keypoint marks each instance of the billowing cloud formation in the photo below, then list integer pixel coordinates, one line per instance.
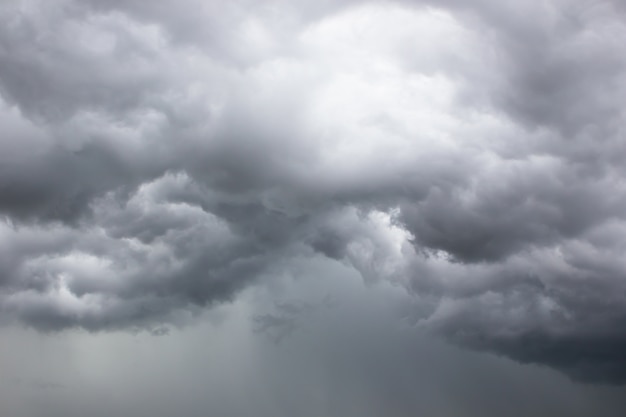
(157, 157)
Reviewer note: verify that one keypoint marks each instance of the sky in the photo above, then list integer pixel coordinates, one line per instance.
(312, 208)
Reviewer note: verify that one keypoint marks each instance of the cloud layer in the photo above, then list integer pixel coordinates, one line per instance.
(156, 158)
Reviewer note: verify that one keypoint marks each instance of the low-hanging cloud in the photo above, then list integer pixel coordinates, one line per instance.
(158, 159)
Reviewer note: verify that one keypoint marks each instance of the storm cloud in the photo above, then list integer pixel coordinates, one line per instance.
(157, 158)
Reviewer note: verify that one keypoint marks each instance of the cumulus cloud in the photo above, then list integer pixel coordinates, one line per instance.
(159, 157)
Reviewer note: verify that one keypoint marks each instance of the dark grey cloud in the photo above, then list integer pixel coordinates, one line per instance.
(352, 359)
(158, 158)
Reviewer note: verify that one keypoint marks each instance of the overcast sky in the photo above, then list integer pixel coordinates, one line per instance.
(312, 208)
